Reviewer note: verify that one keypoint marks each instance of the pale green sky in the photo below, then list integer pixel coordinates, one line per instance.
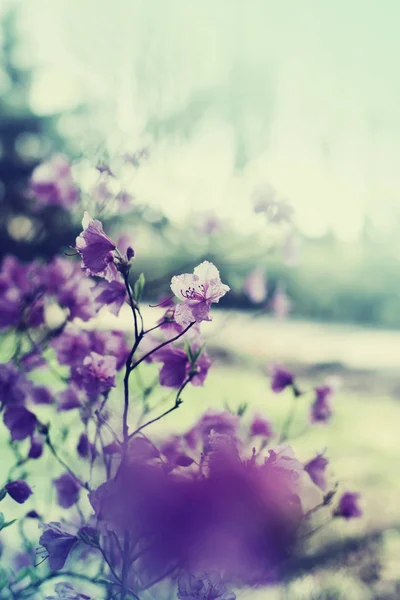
(231, 94)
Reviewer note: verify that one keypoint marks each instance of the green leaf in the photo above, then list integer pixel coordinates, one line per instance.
(3, 494)
(7, 524)
(2, 520)
(139, 287)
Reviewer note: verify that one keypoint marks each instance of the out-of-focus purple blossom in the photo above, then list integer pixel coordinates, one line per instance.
(20, 421)
(52, 183)
(208, 223)
(36, 449)
(23, 560)
(197, 292)
(19, 490)
(32, 514)
(72, 346)
(239, 518)
(69, 398)
(112, 343)
(112, 294)
(66, 591)
(77, 297)
(321, 410)
(96, 250)
(177, 367)
(262, 427)
(281, 378)
(68, 490)
(14, 387)
(280, 303)
(255, 285)
(222, 422)
(349, 506)
(205, 586)
(98, 373)
(84, 447)
(316, 468)
(58, 543)
(32, 360)
(41, 395)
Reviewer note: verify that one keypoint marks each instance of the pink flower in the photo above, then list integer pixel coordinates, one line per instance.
(260, 426)
(255, 285)
(321, 410)
(197, 292)
(280, 302)
(52, 183)
(96, 250)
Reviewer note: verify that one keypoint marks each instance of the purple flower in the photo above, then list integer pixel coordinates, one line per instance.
(14, 387)
(84, 447)
(58, 544)
(66, 591)
(260, 426)
(197, 292)
(280, 302)
(69, 398)
(77, 297)
(112, 343)
(281, 379)
(222, 422)
(113, 295)
(68, 490)
(98, 373)
(316, 468)
(18, 490)
(203, 587)
(321, 410)
(20, 421)
(72, 346)
(41, 395)
(52, 183)
(177, 367)
(36, 449)
(96, 250)
(255, 285)
(348, 506)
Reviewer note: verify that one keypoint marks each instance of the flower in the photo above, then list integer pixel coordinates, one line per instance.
(321, 410)
(281, 379)
(208, 223)
(66, 591)
(41, 395)
(58, 544)
(20, 421)
(255, 285)
(280, 302)
(205, 586)
(18, 490)
(348, 506)
(98, 373)
(68, 490)
(112, 294)
(96, 250)
(260, 426)
(238, 517)
(69, 398)
(197, 292)
(177, 367)
(52, 183)
(36, 449)
(222, 422)
(14, 387)
(72, 346)
(316, 469)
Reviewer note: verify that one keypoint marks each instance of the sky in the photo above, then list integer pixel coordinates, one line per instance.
(232, 95)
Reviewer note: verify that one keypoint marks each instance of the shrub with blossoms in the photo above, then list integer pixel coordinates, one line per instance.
(199, 515)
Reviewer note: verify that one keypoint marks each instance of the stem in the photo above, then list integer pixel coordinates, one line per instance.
(177, 404)
(173, 339)
(289, 420)
(64, 464)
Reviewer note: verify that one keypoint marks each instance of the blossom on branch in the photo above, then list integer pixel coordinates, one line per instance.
(197, 292)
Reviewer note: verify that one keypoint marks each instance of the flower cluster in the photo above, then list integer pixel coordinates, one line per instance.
(216, 508)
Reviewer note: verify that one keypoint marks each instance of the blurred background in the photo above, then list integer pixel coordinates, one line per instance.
(198, 118)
